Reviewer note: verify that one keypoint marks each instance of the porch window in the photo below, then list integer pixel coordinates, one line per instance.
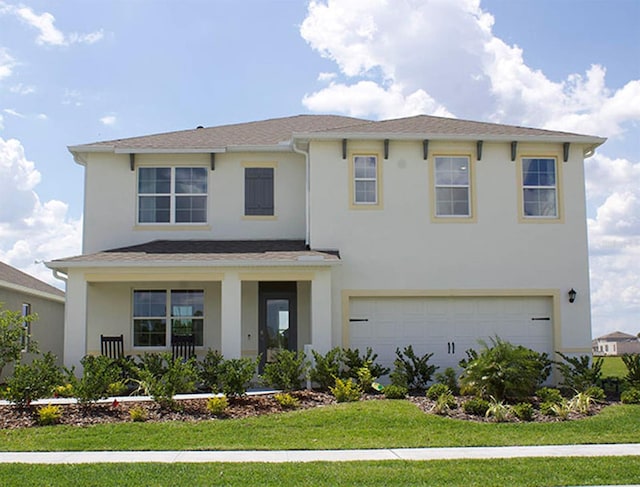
(172, 195)
(153, 309)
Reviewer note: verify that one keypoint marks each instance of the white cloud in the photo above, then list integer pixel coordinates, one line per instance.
(7, 63)
(42, 116)
(1, 122)
(12, 112)
(49, 34)
(326, 76)
(109, 120)
(72, 97)
(21, 89)
(29, 229)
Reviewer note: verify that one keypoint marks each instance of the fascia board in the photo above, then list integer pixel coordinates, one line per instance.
(63, 266)
(31, 292)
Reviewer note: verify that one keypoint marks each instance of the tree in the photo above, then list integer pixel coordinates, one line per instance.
(13, 338)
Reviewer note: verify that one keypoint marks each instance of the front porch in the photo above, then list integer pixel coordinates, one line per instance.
(221, 299)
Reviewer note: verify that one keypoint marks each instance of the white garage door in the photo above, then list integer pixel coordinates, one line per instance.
(448, 326)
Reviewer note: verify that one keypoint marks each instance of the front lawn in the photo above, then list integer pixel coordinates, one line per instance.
(367, 424)
(613, 367)
(469, 473)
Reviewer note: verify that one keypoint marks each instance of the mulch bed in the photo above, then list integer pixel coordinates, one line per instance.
(192, 410)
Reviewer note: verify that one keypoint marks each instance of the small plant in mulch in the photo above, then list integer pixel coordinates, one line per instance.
(49, 414)
(217, 405)
(346, 390)
(286, 400)
(138, 414)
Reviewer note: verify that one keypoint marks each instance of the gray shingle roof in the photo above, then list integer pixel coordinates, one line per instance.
(13, 276)
(280, 131)
(206, 251)
(618, 336)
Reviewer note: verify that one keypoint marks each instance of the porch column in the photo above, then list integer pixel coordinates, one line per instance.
(75, 320)
(231, 316)
(321, 311)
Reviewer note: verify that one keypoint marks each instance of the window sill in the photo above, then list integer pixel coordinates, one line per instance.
(172, 227)
(454, 219)
(259, 217)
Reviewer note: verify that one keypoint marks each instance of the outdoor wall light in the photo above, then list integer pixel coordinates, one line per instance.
(572, 295)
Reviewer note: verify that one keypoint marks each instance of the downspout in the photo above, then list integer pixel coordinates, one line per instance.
(60, 276)
(307, 231)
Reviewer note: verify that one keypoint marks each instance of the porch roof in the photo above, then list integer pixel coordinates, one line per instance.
(202, 252)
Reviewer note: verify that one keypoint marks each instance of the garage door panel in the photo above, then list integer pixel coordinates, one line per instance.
(440, 325)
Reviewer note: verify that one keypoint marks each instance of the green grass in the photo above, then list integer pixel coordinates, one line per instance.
(468, 473)
(367, 424)
(613, 367)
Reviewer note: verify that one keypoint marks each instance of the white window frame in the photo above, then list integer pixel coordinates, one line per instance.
(467, 186)
(173, 195)
(554, 187)
(375, 179)
(168, 317)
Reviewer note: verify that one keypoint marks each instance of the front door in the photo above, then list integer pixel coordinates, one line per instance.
(277, 315)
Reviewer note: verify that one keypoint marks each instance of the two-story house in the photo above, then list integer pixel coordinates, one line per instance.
(328, 231)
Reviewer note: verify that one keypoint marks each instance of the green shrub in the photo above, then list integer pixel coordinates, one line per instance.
(449, 378)
(98, 373)
(476, 406)
(118, 388)
(436, 390)
(581, 403)
(549, 394)
(580, 373)
(49, 414)
(561, 410)
(34, 381)
(393, 391)
(498, 411)
(12, 336)
(632, 362)
(631, 396)
(63, 391)
(286, 400)
(138, 414)
(504, 371)
(546, 407)
(412, 371)
(444, 403)
(217, 405)
(596, 393)
(353, 362)
(153, 363)
(346, 390)
(179, 377)
(210, 370)
(523, 411)
(365, 379)
(287, 371)
(237, 373)
(327, 367)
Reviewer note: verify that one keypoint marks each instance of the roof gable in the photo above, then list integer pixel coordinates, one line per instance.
(10, 277)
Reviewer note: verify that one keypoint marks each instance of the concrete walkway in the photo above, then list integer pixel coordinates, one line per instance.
(283, 456)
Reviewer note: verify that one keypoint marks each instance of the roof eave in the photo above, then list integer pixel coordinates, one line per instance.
(63, 266)
(31, 292)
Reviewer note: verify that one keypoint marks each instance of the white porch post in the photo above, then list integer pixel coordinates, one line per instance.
(231, 316)
(75, 320)
(321, 311)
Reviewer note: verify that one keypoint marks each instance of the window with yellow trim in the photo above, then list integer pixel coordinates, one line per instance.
(365, 180)
(539, 187)
(452, 186)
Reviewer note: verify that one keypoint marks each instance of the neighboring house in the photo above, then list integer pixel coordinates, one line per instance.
(331, 231)
(24, 293)
(616, 343)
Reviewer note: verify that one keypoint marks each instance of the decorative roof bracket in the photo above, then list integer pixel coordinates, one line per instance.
(132, 161)
(213, 161)
(565, 151)
(344, 149)
(386, 149)
(514, 149)
(479, 150)
(425, 149)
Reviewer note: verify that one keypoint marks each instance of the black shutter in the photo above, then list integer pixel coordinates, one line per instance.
(258, 191)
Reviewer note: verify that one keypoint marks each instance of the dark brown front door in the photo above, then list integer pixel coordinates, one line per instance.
(277, 316)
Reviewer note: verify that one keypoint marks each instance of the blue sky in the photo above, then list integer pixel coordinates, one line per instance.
(80, 71)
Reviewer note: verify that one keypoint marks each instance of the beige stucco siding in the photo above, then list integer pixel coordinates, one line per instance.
(47, 330)
(111, 199)
(401, 246)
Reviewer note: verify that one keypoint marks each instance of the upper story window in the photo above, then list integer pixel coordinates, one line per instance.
(365, 180)
(172, 195)
(452, 178)
(539, 187)
(154, 309)
(258, 191)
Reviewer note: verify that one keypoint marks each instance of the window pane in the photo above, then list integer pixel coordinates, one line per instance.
(452, 201)
(365, 167)
(149, 303)
(189, 326)
(365, 192)
(191, 209)
(539, 172)
(540, 202)
(149, 333)
(187, 303)
(154, 180)
(191, 180)
(154, 209)
(452, 171)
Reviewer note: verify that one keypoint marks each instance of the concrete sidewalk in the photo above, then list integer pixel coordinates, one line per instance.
(283, 456)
